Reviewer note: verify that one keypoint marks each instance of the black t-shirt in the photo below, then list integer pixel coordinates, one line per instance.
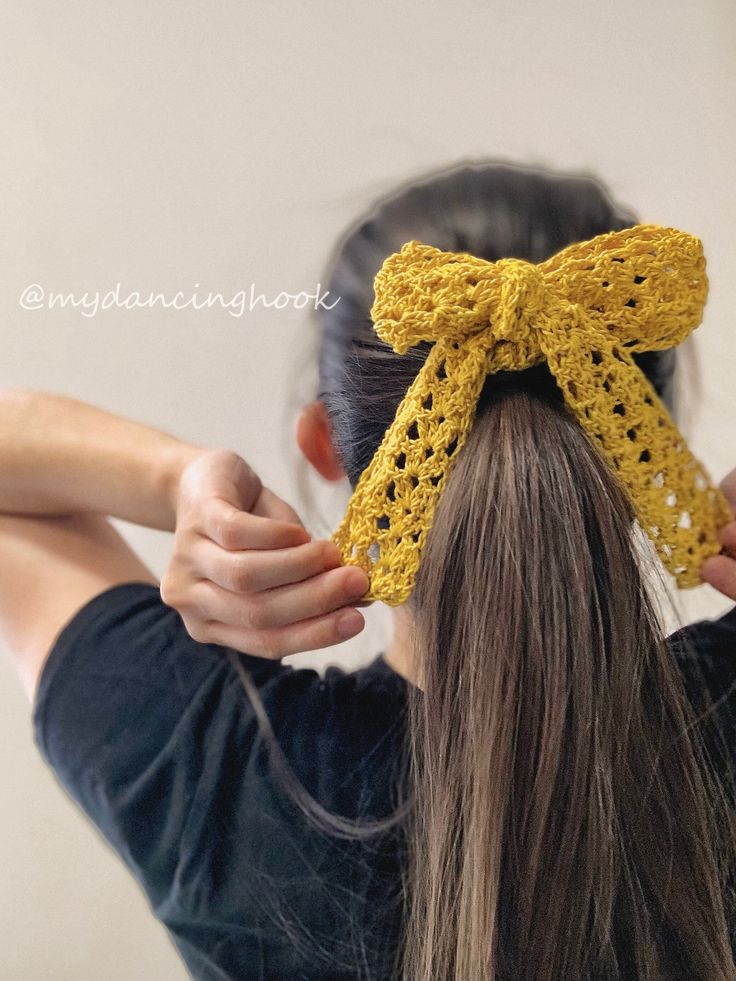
(155, 738)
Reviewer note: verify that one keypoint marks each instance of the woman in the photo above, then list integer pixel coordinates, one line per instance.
(517, 788)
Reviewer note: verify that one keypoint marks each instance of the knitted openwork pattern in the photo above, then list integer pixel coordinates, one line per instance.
(584, 311)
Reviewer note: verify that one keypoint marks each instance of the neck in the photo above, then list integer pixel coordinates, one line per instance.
(399, 654)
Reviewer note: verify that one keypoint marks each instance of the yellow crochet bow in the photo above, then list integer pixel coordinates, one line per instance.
(584, 311)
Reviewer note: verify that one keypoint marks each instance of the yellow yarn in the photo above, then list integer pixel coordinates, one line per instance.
(584, 311)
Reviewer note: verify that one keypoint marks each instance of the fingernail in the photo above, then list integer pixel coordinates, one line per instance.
(350, 624)
(332, 557)
(355, 583)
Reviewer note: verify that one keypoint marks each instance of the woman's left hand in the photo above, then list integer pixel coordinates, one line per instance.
(719, 571)
(244, 571)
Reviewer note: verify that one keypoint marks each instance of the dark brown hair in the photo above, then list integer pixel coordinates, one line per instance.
(561, 818)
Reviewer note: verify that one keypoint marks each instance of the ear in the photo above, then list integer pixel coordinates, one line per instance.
(314, 437)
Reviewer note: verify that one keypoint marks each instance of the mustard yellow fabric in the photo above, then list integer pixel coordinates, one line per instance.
(584, 311)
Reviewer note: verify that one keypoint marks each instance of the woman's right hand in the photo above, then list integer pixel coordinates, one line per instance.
(719, 571)
(244, 572)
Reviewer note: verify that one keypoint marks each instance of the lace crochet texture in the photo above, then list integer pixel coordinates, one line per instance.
(584, 311)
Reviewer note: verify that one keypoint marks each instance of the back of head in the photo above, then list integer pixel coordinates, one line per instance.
(492, 211)
(563, 823)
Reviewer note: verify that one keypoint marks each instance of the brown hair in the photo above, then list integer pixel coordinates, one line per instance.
(561, 817)
(563, 825)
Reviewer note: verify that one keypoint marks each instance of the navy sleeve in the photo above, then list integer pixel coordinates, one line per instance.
(134, 717)
(706, 654)
(154, 736)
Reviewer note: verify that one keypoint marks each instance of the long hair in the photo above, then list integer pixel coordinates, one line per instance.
(563, 827)
(562, 820)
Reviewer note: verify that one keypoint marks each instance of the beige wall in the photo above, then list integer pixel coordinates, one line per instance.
(165, 144)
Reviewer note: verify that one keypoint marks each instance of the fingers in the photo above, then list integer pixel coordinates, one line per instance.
(719, 571)
(254, 571)
(308, 635)
(232, 529)
(284, 605)
(270, 505)
(728, 486)
(727, 537)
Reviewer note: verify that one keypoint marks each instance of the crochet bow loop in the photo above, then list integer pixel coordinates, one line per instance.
(424, 294)
(647, 284)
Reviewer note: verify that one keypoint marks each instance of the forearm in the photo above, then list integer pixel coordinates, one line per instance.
(62, 456)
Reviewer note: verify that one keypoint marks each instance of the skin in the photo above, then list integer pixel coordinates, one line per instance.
(243, 572)
(314, 439)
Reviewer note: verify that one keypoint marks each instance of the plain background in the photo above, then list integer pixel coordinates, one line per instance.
(162, 145)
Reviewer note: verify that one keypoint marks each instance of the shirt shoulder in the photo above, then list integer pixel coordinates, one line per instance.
(155, 737)
(705, 652)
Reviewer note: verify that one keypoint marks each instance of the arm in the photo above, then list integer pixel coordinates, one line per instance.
(64, 465)
(244, 571)
(62, 456)
(51, 567)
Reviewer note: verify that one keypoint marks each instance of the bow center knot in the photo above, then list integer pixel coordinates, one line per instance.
(523, 297)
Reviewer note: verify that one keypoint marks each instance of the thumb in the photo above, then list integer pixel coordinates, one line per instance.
(239, 485)
(270, 505)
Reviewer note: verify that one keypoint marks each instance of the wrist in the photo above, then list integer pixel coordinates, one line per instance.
(174, 463)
